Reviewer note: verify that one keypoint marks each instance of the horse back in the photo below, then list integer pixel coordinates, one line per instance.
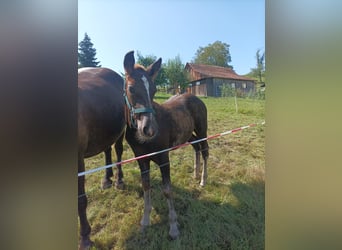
(100, 109)
(188, 104)
(187, 114)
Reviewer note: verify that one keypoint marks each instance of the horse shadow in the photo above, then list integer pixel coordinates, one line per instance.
(235, 219)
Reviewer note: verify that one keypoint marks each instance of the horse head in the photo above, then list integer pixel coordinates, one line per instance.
(139, 91)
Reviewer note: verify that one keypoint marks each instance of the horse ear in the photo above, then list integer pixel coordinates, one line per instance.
(154, 68)
(129, 62)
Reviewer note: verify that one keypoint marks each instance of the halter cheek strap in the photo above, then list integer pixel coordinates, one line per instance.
(133, 111)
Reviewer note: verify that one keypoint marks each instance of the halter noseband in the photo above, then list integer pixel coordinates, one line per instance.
(133, 111)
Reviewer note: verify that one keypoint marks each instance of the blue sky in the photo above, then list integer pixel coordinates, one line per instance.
(168, 28)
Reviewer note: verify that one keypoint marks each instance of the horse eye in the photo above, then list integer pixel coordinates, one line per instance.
(131, 89)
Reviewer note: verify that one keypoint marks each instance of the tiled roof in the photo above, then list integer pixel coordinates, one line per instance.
(215, 71)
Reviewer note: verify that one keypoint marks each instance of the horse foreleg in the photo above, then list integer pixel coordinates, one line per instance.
(119, 183)
(145, 180)
(145, 221)
(174, 232)
(85, 242)
(165, 171)
(106, 181)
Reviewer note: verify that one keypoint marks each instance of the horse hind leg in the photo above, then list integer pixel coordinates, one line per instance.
(106, 181)
(205, 156)
(119, 183)
(196, 163)
(196, 148)
(199, 148)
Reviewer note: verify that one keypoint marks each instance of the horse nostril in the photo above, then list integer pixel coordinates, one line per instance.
(148, 131)
(145, 130)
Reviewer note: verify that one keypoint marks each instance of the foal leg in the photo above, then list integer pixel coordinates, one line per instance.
(106, 181)
(164, 166)
(196, 148)
(119, 184)
(196, 162)
(145, 180)
(205, 155)
(85, 242)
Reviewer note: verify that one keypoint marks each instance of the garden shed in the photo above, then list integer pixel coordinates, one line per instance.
(207, 80)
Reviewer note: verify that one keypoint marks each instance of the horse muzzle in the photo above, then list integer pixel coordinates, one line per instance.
(147, 127)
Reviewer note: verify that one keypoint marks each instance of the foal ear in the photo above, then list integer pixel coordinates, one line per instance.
(129, 62)
(154, 68)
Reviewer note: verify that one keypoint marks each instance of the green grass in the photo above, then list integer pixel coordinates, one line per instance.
(228, 213)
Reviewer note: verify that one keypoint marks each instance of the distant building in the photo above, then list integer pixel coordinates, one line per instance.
(207, 80)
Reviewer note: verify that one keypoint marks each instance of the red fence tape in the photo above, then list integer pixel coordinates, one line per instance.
(169, 149)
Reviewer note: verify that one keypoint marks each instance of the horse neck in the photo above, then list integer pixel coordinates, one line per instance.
(156, 106)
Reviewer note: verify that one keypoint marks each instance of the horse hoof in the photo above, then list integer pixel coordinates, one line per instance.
(174, 234)
(106, 183)
(143, 229)
(85, 244)
(120, 185)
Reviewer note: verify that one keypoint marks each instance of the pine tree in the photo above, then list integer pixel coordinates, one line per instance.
(86, 54)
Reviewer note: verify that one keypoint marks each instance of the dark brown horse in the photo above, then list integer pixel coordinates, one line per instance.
(101, 123)
(153, 127)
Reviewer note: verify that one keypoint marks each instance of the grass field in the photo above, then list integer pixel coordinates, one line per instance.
(228, 213)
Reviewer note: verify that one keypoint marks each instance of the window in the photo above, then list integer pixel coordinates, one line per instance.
(244, 85)
(233, 85)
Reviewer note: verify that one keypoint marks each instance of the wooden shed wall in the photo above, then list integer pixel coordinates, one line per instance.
(212, 86)
(243, 85)
(203, 87)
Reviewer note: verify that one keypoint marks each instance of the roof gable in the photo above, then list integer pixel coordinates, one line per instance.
(206, 71)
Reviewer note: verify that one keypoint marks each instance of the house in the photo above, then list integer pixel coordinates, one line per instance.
(207, 80)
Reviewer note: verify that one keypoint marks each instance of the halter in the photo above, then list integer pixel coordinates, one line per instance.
(133, 111)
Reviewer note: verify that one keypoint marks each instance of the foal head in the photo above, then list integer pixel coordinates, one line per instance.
(139, 92)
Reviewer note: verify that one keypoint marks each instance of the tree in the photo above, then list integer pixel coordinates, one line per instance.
(214, 54)
(259, 71)
(147, 61)
(86, 54)
(175, 73)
